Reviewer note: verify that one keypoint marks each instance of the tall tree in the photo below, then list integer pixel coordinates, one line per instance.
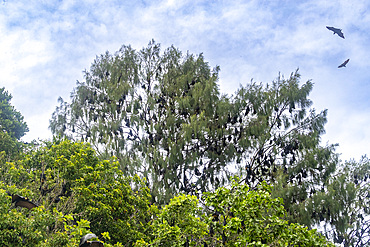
(160, 114)
(344, 204)
(163, 116)
(277, 139)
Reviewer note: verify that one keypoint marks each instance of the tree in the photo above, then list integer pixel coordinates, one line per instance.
(230, 217)
(345, 204)
(12, 127)
(278, 137)
(11, 121)
(164, 118)
(38, 226)
(118, 210)
(161, 115)
(114, 204)
(71, 185)
(8, 145)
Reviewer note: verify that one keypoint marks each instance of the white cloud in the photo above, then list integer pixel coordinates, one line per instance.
(347, 128)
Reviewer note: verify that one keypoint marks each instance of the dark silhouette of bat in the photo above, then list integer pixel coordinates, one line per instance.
(197, 172)
(336, 31)
(84, 241)
(343, 64)
(21, 201)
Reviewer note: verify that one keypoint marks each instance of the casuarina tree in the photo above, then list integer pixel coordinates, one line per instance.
(162, 115)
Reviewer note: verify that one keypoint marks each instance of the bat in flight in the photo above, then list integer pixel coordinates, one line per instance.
(21, 201)
(85, 241)
(336, 31)
(343, 64)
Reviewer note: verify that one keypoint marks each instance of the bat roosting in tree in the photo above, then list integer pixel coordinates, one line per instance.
(336, 31)
(21, 201)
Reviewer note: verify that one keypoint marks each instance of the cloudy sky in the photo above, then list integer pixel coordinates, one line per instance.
(45, 46)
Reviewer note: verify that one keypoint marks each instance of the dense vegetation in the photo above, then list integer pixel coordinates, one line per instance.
(149, 153)
(77, 193)
(12, 126)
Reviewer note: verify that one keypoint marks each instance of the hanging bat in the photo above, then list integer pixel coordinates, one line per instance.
(21, 201)
(84, 241)
(336, 31)
(197, 172)
(343, 64)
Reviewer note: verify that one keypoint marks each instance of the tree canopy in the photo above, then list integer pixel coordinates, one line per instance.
(11, 121)
(78, 194)
(165, 145)
(163, 117)
(12, 126)
(229, 217)
(160, 115)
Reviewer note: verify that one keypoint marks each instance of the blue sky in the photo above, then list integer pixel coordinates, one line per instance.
(45, 46)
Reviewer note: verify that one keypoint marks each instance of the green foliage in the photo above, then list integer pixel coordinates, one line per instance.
(345, 204)
(244, 216)
(114, 204)
(77, 193)
(275, 132)
(161, 115)
(278, 136)
(8, 145)
(100, 199)
(179, 223)
(12, 127)
(11, 121)
(49, 171)
(37, 227)
(229, 217)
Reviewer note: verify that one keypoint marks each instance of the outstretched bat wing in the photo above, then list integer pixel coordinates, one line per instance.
(336, 31)
(21, 201)
(25, 204)
(343, 64)
(340, 34)
(331, 28)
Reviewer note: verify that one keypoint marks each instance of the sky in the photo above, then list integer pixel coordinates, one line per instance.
(46, 45)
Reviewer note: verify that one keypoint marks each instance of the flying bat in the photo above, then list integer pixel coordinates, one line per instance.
(343, 64)
(21, 201)
(84, 241)
(336, 31)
